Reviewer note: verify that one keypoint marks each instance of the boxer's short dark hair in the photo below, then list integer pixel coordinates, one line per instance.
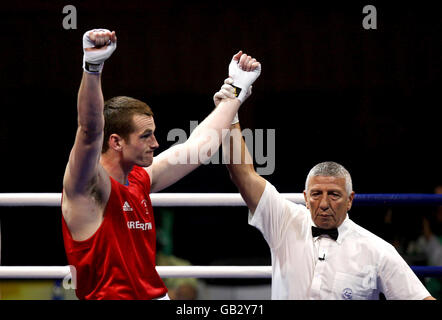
(118, 117)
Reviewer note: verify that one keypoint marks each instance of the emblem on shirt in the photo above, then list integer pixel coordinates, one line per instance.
(127, 207)
(347, 294)
(144, 203)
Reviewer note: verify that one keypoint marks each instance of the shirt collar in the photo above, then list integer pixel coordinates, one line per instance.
(343, 229)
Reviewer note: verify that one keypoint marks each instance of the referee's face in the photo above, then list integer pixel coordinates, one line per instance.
(328, 201)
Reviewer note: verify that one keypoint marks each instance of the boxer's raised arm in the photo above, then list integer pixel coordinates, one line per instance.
(83, 166)
(179, 160)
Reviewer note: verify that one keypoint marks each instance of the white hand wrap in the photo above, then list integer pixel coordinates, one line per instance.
(93, 60)
(242, 80)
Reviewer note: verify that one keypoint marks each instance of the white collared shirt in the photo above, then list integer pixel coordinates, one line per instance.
(358, 265)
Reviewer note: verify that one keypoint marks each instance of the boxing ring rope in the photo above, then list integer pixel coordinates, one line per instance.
(158, 199)
(223, 199)
(208, 272)
(56, 272)
(201, 199)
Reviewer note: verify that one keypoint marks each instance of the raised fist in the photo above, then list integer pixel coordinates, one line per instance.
(244, 70)
(98, 45)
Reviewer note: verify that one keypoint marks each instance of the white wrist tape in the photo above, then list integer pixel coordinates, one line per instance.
(93, 60)
(242, 80)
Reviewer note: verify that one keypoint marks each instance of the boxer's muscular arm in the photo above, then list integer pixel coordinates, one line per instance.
(86, 185)
(176, 162)
(165, 170)
(82, 168)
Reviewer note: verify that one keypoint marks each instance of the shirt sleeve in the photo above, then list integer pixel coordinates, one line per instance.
(398, 281)
(273, 215)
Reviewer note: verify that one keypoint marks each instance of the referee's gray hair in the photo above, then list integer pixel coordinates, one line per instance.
(330, 169)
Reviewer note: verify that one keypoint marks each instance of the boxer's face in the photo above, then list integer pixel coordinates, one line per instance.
(328, 201)
(141, 144)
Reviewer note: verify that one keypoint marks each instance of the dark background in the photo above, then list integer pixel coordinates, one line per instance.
(368, 99)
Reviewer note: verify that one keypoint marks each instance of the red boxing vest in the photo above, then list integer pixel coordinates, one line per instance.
(118, 260)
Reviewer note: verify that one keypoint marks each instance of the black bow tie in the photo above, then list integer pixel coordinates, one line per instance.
(333, 233)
